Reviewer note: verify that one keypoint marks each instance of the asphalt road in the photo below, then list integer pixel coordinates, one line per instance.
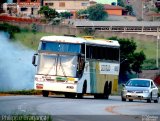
(87, 109)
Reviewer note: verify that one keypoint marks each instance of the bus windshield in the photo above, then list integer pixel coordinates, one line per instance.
(59, 65)
(60, 47)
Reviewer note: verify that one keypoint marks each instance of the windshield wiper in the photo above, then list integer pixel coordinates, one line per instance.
(62, 67)
(55, 66)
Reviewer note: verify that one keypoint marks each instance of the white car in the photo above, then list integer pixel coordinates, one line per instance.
(139, 88)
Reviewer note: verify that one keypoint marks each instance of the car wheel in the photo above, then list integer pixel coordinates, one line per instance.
(156, 101)
(149, 100)
(123, 99)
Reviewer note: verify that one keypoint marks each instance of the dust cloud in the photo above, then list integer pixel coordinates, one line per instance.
(16, 69)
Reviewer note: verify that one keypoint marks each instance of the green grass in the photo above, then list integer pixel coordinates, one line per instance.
(22, 92)
(150, 50)
(30, 39)
(148, 47)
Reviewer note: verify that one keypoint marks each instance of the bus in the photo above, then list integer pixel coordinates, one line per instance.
(76, 66)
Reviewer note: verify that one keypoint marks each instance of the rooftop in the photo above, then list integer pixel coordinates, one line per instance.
(85, 23)
(112, 7)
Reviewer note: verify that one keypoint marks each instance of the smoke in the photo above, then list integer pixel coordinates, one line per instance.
(16, 69)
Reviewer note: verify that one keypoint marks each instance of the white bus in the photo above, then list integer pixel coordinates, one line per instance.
(77, 66)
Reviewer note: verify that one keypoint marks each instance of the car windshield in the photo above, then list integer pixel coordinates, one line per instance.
(138, 83)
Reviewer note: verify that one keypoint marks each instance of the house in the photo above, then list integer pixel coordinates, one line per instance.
(67, 5)
(110, 2)
(28, 7)
(114, 10)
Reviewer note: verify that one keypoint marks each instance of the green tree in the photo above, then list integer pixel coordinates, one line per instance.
(138, 59)
(48, 12)
(129, 9)
(97, 12)
(121, 3)
(82, 12)
(129, 59)
(65, 14)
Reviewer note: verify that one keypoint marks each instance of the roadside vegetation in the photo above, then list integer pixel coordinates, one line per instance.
(29, 38)
(10, 29)
(21, 92)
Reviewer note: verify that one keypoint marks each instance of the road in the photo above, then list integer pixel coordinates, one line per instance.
(87, 109)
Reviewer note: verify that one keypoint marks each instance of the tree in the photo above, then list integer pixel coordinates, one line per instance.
(121, 3)
(129, 9)
(65, 14)
(82, 13)
(138, 59)
(129, 59)
(48, 12)
(97, 12)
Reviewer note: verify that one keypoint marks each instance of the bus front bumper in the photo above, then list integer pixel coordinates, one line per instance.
(56, 87)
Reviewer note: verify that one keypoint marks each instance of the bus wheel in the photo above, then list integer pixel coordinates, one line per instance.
(45, 93)
(79, 95)
(110, 88)
(106, 91)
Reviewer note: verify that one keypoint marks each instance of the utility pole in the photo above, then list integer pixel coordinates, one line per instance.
(157, 57)
(142, 10)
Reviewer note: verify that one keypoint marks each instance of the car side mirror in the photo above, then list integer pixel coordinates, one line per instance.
(152, 86)
(34, 59)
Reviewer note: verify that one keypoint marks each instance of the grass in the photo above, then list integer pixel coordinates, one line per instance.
(21, 92)
(150, 50)
(29, 38)
(148, 47)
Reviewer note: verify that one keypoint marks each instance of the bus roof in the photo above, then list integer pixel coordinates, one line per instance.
(78, 40)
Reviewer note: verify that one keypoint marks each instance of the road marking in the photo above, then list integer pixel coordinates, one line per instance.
(112, 109)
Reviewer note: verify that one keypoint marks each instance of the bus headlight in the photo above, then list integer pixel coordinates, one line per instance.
(39, 79)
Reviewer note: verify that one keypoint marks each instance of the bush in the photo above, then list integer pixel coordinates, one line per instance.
(10, 29)
(149, 64)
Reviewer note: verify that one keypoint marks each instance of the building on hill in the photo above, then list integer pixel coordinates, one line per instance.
(28, 7)
(22, 8)
(67, 5)
(114, 10)
(110, 2)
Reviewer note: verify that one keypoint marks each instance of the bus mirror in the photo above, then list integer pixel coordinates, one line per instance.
(34, 59)
(123, 85)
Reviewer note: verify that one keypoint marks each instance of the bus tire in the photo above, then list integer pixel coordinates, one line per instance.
(45, 93)
(79, 95)
(106, 91)
(110, 88)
